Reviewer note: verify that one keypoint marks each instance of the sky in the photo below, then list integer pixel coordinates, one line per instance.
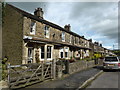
(93, 20)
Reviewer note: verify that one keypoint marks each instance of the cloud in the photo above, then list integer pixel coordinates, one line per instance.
(31, 6)
(100, 18)
(109, 47)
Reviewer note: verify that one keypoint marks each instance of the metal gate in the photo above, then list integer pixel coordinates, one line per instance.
(27, 74)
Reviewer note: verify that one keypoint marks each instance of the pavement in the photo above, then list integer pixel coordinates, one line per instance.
(72, 81)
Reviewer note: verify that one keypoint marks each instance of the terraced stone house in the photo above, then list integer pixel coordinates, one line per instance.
(30, 38)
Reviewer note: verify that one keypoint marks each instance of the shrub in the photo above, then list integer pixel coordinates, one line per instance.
(4, 68)
(72, 60)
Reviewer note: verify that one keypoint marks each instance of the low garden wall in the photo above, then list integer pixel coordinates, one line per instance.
(100, 61)
(80, 65)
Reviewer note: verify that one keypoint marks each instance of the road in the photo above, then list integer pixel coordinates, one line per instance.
(109, 79)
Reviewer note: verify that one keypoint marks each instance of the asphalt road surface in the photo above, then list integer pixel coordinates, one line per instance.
(109, 79)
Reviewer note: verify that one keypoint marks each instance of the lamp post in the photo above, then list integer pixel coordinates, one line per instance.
(113, 46)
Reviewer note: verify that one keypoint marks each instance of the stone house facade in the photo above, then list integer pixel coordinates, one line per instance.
(30, 38)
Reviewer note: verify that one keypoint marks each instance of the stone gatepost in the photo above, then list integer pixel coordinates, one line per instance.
(59, 71)
(67, 71)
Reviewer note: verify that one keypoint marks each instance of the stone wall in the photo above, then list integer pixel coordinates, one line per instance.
(55, 34)
(80, 65)
(100, 61)
(12, 35)
(90, 64)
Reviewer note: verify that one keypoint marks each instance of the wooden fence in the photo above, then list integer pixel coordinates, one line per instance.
(27, 74)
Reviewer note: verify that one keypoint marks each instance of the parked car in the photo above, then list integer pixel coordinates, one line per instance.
(119, 57)
(111, 62)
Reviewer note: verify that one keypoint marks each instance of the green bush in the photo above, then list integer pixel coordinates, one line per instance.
(4, 68)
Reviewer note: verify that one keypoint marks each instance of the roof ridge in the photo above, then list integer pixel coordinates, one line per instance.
(43, 20)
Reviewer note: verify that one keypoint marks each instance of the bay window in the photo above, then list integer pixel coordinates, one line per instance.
(46, 52)
(64, 52)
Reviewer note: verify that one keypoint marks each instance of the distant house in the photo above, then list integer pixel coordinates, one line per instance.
(30, 38)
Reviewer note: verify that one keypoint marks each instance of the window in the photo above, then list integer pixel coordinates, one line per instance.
(32, 27)
(80, 41)
(85, 44)
(66, 54)
(111, 59)
(61, 54)
(49, 52)
(42, 52)
(63, 36)
(46, 31)
(75, 40)
(30, 55)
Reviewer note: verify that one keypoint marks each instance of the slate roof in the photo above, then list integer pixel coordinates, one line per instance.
(24, 13)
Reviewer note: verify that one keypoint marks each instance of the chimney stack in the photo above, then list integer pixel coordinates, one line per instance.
(90, 40)
(96, 43)
(39, 12)
(82, 36)
(67, 27)
(101, 45)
